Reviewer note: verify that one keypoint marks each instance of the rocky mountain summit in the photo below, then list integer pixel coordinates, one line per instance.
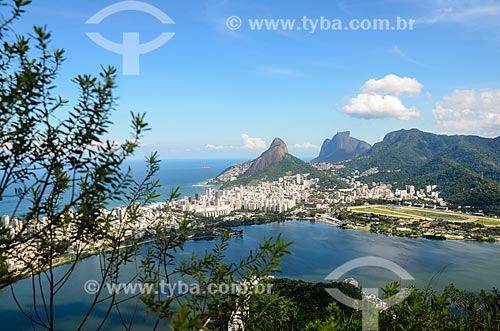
(274, 163)
(341, 147)
(274, 154)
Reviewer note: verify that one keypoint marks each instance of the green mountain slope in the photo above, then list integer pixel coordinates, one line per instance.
(465, 168)
(407, 149)
(287, 166)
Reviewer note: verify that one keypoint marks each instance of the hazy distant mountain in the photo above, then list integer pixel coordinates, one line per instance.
(273, 163)
(466, 168)
(341, 147)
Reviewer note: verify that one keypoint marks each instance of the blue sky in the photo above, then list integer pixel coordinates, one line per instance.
(212, 92)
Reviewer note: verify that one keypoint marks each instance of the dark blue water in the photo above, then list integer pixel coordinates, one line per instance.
(189, 175)
(317, 250)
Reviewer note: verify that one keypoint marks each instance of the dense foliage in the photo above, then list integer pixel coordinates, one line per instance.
(313, 309)
(465, 168)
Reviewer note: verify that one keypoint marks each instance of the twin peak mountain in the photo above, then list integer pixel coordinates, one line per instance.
(278, 162)
(275, 160)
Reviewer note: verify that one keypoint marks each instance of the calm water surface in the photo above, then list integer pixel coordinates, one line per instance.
(317, 250)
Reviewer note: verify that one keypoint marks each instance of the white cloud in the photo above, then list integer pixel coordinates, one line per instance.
(470, 111)
(252, 143)
(380, 98)
(370, 106)
(393, 85)
(306, 145)
(248, 143)
(218, 147)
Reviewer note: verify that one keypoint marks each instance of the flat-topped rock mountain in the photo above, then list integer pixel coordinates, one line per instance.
(341, 147)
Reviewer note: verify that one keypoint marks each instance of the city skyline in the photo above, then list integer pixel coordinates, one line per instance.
(216, 92)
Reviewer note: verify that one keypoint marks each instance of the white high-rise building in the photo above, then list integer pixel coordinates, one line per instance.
(6, 221)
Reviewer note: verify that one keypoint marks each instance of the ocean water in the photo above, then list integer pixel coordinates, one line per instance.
(189, 175)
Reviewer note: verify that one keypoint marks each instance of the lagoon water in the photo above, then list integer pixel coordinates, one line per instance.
(317, 250)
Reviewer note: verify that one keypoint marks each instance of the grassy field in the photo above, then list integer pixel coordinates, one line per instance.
(488, 221)
(422, 214)
(380, 210)
(431, 214)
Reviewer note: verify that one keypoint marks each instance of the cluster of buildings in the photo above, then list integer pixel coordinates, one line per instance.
(385, 192)
(285, 193)
(377, 191)
(277, 196)
(382, 191)
(26, 252)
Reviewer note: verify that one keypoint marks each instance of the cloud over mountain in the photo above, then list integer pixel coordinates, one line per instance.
(393, 85)
(470, 111)
(248, 143)
(306, 145)
(370, 106)
(380, 98)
